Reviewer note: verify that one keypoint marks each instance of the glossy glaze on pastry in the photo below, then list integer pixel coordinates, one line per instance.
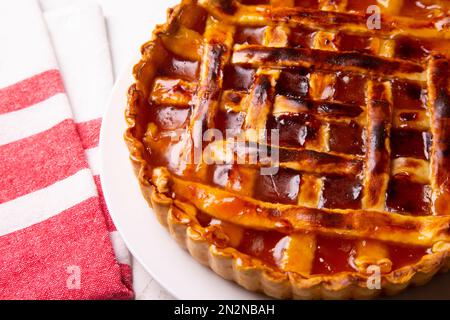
(363, 117)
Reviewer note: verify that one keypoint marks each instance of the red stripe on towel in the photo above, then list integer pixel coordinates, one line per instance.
(39, 161)
(31, 91)
(48, 256)
(109, 222)
(89, 132)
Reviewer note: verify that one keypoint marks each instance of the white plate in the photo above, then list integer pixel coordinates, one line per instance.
(151, 244)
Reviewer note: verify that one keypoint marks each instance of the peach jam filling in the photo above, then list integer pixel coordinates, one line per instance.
(331, 254)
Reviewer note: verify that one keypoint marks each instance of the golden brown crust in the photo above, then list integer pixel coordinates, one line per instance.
(439, 96)
(255, 276)
(322, 60)
(378, 155)
(248, 212)
(235, 12)
(205, 245)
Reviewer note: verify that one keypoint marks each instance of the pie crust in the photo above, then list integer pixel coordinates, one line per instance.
(364, 122)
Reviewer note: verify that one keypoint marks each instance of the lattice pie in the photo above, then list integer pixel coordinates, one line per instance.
(356, 110)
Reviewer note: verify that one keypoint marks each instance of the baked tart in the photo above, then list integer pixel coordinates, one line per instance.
(350, 102)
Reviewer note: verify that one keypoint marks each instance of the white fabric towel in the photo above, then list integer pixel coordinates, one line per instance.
(80, 40)
(53, 230)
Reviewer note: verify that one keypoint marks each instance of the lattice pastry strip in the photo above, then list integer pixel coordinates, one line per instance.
(439, 104)
(326, 60)
(216, 53)
(256, 105)
(299, 253)
(259, 102)
(427, 9)
(377, 172)
(247, 212)
(260, 99)
(238, 14)
(217, 44)
(367, 252)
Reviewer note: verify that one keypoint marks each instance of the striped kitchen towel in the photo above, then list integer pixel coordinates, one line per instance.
(55, 238)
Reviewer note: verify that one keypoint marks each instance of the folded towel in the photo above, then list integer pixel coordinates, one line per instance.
(79, 37)
(54, 237)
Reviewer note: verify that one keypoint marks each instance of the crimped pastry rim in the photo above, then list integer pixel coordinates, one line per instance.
(249, 272)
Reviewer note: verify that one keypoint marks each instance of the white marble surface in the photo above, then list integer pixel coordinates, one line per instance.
(129, 24)
(145, 287)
